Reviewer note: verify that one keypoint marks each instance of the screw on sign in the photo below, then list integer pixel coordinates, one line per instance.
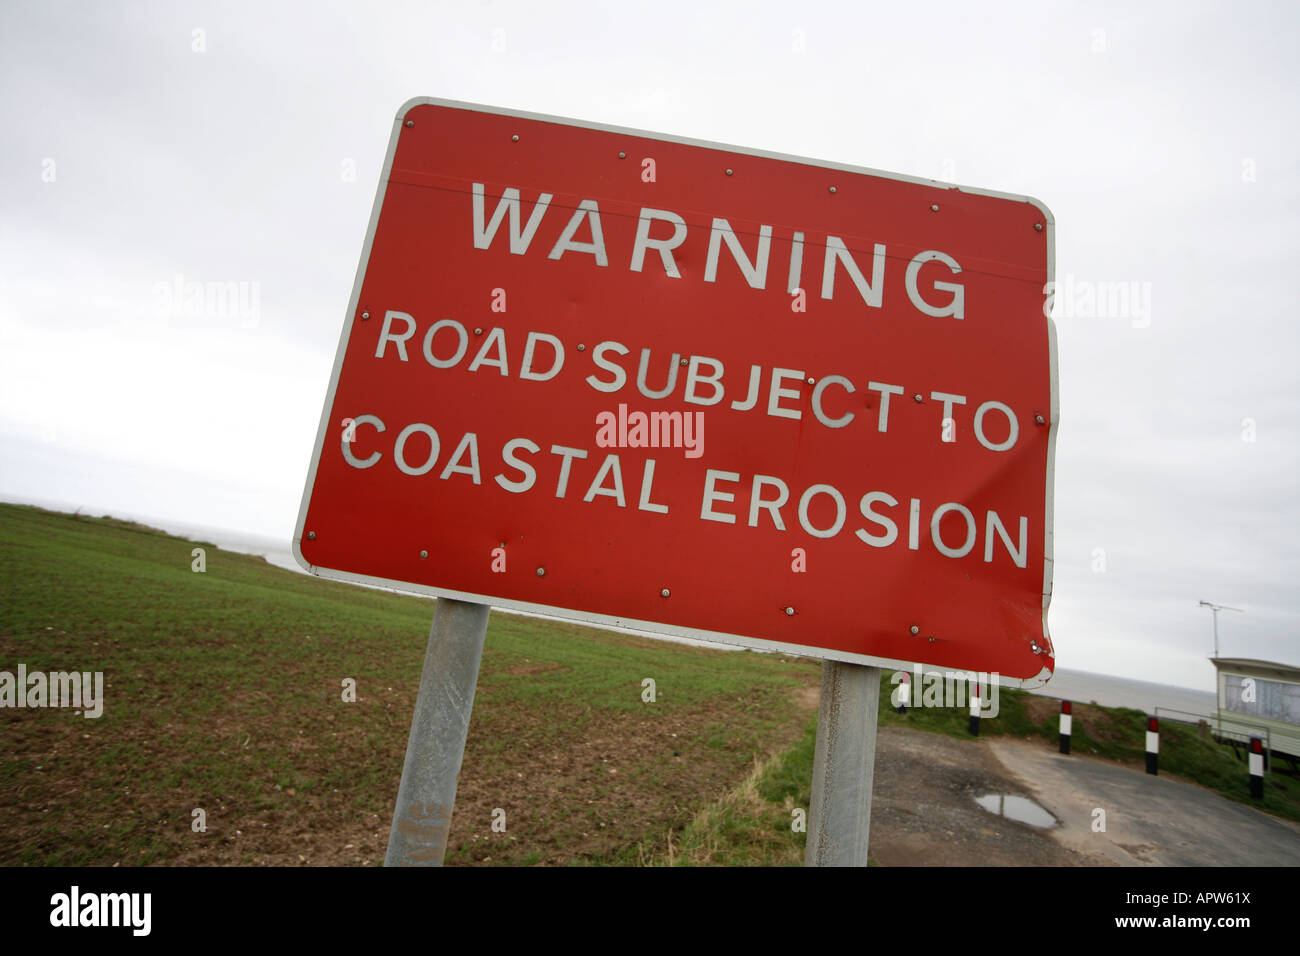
(753, 354)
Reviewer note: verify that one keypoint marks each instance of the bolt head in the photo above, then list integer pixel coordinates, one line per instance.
(424, 554)
(1039, 419)
(1038, 226)
(682, 362)
(478, 331)
(664, 593)
(515, 138)
(917, 397)
(789, 611)
(811, 380)
(365, 315)
(934, 207)
(833, 189)
(622, 155)
(914, 629)
(728, 172)
(541, 572)
(410, 122)
(311, 535)
(581, 347)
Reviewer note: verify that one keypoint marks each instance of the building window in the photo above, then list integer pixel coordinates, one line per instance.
(1270, 699)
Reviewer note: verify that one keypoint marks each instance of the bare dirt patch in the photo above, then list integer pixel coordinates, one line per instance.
(807, 698)
(529, 669)
(583, 786)
(1097, 723)
(1041, 709)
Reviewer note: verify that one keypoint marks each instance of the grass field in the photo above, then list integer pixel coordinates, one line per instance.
(224, 693)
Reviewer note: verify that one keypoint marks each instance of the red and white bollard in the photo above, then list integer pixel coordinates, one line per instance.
(1065, 726)
(1153, 743)
(1257, 768)
(975, 710)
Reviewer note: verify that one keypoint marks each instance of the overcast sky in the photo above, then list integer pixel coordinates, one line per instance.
(242, 142)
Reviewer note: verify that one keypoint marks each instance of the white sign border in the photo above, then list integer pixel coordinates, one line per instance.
(588, 617)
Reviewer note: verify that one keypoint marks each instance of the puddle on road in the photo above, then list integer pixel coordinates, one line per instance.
(1019, 809)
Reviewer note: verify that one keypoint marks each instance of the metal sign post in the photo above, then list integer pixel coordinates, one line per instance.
(422, 817)
(839, 820)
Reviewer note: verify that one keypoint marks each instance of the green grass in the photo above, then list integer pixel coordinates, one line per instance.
(223, 691)
(762, 822)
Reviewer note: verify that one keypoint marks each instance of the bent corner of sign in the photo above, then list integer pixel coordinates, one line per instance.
(296, 549)
(1038, 680)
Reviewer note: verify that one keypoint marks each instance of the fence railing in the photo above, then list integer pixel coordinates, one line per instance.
(1218, 728)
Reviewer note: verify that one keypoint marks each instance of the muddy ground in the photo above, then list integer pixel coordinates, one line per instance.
(924, 811)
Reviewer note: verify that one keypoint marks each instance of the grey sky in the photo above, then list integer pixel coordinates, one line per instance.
(1162, 136)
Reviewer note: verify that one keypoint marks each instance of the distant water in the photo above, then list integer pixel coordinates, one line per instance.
(1079, 686)
(275, 550)
(277, 553)
(1086, 688)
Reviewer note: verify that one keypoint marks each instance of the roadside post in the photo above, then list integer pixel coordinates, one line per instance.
(1257, 768)
(844, 762)
(1153, 746)
(1067, 719)
(436, 746)
(643, 381)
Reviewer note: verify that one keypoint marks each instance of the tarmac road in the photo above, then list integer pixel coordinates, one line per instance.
(1150, 821)
(924, 811)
